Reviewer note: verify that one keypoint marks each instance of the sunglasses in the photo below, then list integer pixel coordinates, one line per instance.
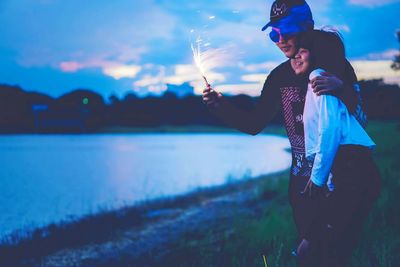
(276, 35)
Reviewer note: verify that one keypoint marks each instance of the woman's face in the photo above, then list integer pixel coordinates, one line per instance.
(301, 61)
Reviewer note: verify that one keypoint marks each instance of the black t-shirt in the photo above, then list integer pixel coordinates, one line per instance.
(292, 90)
(283, 90)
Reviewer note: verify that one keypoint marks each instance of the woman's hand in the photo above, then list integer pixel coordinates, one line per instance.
(211, 97)
(311, 189)
(303, 248)
(326, 84)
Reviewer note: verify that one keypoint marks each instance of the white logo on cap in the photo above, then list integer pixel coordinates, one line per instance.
(277, 11)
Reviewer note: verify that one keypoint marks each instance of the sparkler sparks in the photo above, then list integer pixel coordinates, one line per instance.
(208, 58)
(197, 56)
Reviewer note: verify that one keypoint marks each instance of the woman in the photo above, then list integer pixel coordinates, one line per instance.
(338, 145)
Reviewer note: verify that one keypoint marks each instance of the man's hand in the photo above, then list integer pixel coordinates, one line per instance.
(211, 97)
(326, 84)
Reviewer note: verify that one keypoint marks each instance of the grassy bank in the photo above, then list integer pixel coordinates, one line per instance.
(273, 234)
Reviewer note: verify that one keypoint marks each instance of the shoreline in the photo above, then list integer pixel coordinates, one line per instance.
(76, 242)
(275, 129)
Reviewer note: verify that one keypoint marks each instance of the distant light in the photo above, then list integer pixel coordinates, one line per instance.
(211, 17)
(85, 101)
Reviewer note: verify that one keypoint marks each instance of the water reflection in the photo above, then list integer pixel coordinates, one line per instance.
(48, 178)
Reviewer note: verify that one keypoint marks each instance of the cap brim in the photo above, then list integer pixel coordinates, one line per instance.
(269, 24)
(266, 26)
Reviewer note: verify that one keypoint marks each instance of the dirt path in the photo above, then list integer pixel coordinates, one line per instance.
(141, 246)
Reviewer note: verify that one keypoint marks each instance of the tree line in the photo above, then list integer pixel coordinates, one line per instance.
(86, 111)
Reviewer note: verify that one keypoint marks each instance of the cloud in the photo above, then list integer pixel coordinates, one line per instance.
(178, 74)
(252, 89)
(375, 69)
(112, 69)
(256, 77)
(372, 3)
(122, 71)
(70, 66)
(264, 66)
(385, 55)
(47, 33)
(340, 27)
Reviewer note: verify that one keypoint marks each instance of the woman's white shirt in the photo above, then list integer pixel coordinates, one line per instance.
(328, 124)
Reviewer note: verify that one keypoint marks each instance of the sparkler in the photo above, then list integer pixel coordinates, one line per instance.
(198, 59)
(212, 58)
(208, 58)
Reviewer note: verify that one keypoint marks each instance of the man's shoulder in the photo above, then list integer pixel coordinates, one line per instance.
(280, 75)
(283, 68)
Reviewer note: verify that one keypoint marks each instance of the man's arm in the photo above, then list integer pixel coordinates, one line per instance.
(255, 120)
(330, 84)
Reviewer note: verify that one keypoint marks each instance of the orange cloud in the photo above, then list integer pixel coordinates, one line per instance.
(70, 66)
(376, 69)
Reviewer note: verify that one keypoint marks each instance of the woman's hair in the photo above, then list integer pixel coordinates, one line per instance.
(331, 29)
(307, 41)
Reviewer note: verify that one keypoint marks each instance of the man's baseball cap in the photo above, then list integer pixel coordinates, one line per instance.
(284, 9)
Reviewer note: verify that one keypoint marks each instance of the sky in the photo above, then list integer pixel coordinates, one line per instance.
(140, 46)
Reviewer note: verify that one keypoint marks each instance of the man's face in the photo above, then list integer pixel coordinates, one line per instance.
(287, 43)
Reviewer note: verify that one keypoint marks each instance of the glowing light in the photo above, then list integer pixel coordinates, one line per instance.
(207, 58)
(85, 101)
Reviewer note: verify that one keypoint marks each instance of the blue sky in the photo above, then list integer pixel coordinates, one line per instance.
(121, 46)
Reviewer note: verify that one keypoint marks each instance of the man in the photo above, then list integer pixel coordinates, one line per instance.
(284, 90)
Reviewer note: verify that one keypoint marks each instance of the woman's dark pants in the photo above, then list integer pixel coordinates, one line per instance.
(333, 222)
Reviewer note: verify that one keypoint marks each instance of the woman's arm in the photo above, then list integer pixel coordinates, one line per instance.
(329, 134)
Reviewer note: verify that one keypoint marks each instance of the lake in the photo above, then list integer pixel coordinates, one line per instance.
(53, 178)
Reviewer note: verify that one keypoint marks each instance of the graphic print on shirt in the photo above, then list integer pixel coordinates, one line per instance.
(293, 99)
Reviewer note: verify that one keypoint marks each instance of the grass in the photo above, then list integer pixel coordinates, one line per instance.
(273, 233)
(245, 240)
(380, 245)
